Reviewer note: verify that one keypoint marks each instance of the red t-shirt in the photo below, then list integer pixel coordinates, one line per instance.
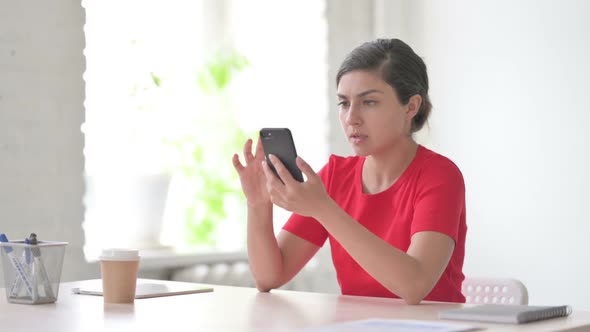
(428, 196)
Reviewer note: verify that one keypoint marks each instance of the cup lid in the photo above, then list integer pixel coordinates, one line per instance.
(119, 255)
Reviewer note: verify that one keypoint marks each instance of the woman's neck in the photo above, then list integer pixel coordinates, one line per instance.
(382, 170)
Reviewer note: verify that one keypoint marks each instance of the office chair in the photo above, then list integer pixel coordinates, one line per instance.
(494, 291)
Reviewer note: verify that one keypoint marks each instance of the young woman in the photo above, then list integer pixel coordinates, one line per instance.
(394, 213)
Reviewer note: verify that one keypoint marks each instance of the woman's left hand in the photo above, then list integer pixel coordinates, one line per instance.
(304, 198)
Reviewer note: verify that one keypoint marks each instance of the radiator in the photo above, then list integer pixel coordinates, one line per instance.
(317, 276)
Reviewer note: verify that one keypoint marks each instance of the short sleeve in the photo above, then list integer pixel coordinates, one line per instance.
(309, 228)
(440, 198)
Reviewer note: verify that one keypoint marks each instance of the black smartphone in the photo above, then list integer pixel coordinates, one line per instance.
(279, 142)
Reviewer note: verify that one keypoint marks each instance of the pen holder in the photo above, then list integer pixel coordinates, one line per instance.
(32, 272)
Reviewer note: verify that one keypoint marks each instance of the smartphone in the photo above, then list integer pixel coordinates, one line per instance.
(279, 142)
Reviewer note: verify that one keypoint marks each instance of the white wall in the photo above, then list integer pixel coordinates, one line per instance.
(508, 80)
(41, 110)
(350, 23)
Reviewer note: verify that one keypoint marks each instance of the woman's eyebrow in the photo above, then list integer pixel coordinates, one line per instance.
(362, 94)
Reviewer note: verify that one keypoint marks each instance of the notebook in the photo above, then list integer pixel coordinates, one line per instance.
(500, 313)
(149, 289)
(391, 325)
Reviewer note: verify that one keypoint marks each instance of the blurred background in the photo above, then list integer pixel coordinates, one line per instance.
(118, 121)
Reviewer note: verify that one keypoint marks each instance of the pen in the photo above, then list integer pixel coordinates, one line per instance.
(16, 285)
(16, 264)
(38, 265)
(33, 274)
(27, 252)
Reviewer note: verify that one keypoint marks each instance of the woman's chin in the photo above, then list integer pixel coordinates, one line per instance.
(360, 152)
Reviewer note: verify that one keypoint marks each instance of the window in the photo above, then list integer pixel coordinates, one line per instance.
(151, 115)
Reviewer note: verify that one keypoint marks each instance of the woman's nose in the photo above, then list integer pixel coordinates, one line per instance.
(353, 118)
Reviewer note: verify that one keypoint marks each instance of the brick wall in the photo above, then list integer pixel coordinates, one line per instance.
(41, 111)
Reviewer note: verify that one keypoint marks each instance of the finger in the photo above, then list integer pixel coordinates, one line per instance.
(305, 168)
(283, 172)
(274, 186)
(248, 151)
(272, 181)
(259, 154)
(237, 164)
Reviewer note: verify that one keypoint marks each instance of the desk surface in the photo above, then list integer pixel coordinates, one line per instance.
(234, 309)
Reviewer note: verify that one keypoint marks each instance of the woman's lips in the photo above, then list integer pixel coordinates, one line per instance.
(357, 138)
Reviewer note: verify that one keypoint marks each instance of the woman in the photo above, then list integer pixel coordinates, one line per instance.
(394, 213)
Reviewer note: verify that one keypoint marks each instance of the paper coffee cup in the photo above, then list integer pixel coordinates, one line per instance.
(119, 268)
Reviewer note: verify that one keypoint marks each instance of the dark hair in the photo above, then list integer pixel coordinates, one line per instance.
(399, 66)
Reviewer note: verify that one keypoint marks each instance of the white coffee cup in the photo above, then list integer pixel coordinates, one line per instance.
(119, 268)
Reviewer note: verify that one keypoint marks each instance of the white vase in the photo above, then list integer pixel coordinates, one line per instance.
(125, 210)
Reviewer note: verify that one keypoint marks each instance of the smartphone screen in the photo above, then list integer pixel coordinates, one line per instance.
(279, 142)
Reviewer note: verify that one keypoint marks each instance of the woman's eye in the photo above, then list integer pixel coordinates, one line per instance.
(370, 102)
(343, 104)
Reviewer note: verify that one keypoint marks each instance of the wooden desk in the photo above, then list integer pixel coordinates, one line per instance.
(232, 309)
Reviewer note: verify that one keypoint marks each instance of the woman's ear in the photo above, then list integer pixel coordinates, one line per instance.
(414, 106)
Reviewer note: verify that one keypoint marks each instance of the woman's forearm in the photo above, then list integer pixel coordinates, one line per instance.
(264, 254)
(397, 271)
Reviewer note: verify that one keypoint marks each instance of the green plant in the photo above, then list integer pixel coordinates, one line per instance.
(217, 74)
(205, 154)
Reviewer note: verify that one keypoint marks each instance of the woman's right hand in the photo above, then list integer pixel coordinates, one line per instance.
(252, 175)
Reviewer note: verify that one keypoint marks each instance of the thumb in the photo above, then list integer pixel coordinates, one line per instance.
(305, 168)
